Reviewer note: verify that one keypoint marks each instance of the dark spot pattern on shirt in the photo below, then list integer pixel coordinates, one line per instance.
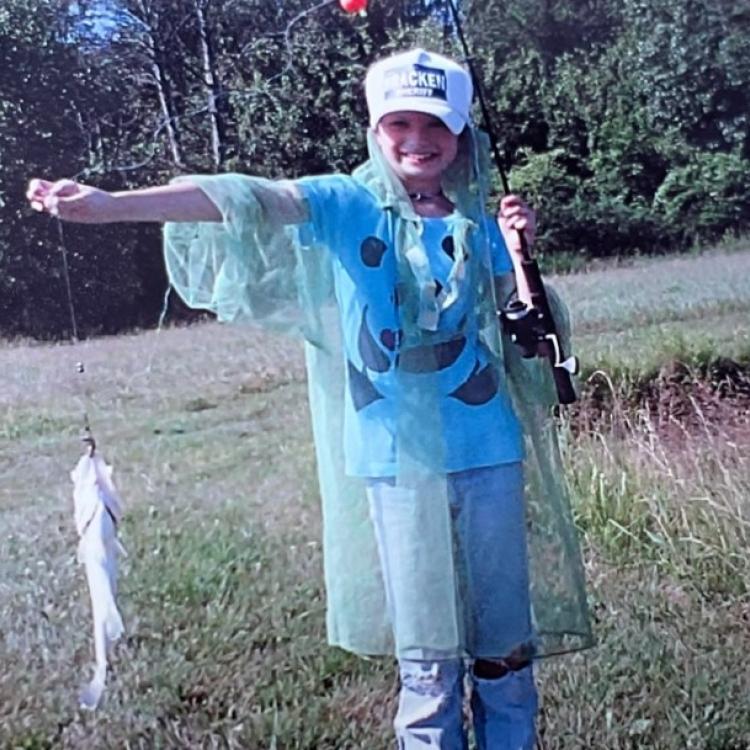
(479, 388)
(390, 338)
(449, 246)
(372, 355)
(362, 391)
(422, 359)
(372, 251)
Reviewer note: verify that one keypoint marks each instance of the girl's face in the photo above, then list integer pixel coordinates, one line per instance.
(418, 147)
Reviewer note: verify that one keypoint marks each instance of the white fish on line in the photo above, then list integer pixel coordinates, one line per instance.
(98, 510)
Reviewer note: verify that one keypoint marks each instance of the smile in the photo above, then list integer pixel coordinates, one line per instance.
(419, 158)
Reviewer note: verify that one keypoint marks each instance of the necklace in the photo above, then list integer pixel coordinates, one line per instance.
(426, 196)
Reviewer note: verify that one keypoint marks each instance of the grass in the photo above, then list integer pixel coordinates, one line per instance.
(631, 319)
(666, 530)
(222, 592)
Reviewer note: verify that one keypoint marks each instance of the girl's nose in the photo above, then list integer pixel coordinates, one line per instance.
(418, 136)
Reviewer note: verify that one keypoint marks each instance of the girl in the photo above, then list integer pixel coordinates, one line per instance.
(428, 425)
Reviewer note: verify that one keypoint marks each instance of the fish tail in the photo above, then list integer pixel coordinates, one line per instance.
(90, 696)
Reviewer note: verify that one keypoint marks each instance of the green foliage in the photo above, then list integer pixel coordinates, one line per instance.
(544, 180)
(578, 217)
(600, 105)
(49, 100)
(708, 197)
(625, 121)
(693, 59)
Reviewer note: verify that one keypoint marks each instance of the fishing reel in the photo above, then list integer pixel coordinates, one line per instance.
(530, 330)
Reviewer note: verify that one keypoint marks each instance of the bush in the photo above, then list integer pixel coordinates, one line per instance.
(577, 217)
(707, 198)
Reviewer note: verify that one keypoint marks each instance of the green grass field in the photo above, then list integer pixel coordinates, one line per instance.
(222, 595)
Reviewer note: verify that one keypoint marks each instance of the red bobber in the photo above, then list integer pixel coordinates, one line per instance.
(353, 6)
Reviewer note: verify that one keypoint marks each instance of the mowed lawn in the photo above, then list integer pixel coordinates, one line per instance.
(207, 428)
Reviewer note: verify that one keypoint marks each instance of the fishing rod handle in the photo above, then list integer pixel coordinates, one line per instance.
(549, 346)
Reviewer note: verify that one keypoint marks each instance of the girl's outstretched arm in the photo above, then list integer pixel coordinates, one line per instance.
(72, 201)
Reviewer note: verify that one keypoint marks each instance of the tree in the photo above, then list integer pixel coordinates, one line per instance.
(37, 127)
(693, 58)
(617, 116)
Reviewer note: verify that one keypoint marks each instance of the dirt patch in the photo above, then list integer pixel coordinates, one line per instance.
(679, 401)
(264, 380)
(694, 397)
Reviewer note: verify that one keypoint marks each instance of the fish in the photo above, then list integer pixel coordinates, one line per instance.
(98, 511)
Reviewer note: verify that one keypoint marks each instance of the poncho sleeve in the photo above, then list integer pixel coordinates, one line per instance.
(267, 261)
(253, 265)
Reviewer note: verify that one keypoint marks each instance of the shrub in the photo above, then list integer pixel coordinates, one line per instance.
(707, 198)
(577, 217)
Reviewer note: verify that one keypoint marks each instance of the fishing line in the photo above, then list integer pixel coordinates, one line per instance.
(288, 32)
(87, 435)
(74, 339)
(152, 145)
(66, 275)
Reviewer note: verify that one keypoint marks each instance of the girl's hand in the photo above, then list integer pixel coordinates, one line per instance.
(72, 201)
(513, 217)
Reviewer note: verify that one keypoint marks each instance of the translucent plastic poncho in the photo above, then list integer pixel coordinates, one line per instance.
(265, 263)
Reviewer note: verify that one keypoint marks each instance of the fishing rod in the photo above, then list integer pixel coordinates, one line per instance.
(531, 326)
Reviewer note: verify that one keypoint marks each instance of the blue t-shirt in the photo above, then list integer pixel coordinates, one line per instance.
(477, 424)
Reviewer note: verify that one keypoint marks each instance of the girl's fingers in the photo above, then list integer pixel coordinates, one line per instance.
(517, 218)
(513, 209)
(64, 188)
(512, 206)
(44, 195)
(37, 189)
(60, 191)
(513, 214)
(510, 200)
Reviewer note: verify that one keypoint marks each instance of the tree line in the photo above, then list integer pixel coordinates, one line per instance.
(626, 122)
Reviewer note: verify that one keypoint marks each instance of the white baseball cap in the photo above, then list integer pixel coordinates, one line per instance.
(420, 81)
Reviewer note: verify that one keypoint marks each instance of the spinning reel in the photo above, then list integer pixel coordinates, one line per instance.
(531, 328)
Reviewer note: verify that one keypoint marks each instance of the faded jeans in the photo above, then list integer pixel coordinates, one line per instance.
(487, 511)
(430, 708)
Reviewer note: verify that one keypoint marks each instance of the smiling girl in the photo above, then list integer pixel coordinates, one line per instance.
(427, 423)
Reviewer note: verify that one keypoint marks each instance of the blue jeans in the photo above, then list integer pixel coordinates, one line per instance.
(488, 519)
(430, 708)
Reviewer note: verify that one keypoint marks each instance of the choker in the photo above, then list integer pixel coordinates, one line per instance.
(426, 196)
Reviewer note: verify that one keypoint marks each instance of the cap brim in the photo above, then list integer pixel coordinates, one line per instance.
(453, 121)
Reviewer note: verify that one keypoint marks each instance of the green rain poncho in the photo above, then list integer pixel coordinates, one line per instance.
(265, 263)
